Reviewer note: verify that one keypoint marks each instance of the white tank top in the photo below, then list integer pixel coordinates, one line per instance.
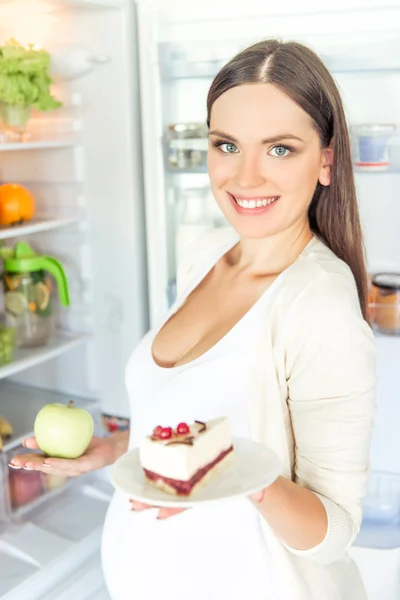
(216, 551)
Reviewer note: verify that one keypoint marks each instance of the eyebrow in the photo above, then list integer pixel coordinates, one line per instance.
(271, 140)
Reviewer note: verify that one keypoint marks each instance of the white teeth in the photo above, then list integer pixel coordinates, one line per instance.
(256, 202)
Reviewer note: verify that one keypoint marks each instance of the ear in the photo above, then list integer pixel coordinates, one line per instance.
(326, 166)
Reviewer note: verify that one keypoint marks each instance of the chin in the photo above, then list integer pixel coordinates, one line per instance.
(255, 231)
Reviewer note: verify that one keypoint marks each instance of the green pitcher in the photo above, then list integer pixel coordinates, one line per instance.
(27, 289)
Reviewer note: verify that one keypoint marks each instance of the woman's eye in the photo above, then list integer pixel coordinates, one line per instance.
(228, 148)
(280, 151)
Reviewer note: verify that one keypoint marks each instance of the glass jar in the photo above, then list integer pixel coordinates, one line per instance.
(14, 120)
(187, 146)
(28, 307)
(385, 303)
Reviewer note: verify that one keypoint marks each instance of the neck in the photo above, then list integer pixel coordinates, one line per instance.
(271, 255)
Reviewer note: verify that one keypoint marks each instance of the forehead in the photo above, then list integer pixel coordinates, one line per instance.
(259, 110)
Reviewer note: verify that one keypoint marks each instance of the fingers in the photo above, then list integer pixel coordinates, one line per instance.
(257, 496)
(166, 513)
(27, 461)
(30, 443)
(163, 513)
(52, 466)
(139, 505)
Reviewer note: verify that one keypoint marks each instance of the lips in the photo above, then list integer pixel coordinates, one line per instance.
(252, 205)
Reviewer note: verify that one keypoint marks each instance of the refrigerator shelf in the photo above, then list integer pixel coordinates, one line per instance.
(54, 540)
(19, 404)
(25, 358)
(92, 4)
(199, 171)
(36, 226)
(187, 60)
(176, 70)
(40, 144)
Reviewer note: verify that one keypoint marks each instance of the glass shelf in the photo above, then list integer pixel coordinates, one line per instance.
(39, 144)
(36, 226)
(176, 66)
(181, 61)
(25, 358)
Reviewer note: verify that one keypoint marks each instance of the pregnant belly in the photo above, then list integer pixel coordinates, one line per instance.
(215, 551)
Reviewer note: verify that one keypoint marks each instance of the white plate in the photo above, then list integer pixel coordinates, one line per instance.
(253, 468)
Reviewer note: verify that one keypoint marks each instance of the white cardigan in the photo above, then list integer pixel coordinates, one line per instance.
(312, 402)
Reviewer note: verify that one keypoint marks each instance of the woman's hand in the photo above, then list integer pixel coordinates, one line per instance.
(100, 453)
(166, 513)
(163, 513)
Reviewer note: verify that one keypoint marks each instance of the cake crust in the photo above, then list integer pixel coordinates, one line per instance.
(202, 476)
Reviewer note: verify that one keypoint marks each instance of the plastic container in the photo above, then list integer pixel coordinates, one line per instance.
(382, 502)
(384, 307)
(372, 146)
(27, 290)
(23, 488)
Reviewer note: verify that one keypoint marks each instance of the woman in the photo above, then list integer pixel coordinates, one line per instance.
(269, 328)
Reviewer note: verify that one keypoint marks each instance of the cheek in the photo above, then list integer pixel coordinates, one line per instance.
(301, 176)
(220, 170)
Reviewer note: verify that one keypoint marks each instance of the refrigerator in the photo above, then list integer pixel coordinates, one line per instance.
(119, 175)
(83, 164)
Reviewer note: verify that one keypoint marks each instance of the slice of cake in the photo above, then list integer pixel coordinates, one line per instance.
(178, 460)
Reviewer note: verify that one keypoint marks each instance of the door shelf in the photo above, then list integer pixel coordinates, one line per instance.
(25, 358)
(36, 226)
(19, 404)
(394, 170)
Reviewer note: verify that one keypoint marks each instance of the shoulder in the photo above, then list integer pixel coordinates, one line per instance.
(321, 280)
(319, 305)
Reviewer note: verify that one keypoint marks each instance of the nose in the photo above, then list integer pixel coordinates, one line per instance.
(249, 173)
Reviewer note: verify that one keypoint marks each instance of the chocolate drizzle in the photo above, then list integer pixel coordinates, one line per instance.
(204, 426)
(188, 441)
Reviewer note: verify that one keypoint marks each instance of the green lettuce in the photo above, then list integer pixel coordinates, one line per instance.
(24, 77)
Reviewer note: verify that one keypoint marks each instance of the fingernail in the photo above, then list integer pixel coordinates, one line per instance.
(13, 466)
(27, 468)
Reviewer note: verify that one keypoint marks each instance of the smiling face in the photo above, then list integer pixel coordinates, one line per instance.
(264, 161)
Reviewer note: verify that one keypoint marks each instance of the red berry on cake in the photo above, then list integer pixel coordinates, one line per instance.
(165, 433)
(157, 430)
(183, 429)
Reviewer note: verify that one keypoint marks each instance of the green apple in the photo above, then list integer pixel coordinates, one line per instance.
(63, 431)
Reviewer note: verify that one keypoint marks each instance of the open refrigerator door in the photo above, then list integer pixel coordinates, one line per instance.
(359, 42)
(82, 165)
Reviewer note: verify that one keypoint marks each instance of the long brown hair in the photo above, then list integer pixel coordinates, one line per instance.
(301, 75)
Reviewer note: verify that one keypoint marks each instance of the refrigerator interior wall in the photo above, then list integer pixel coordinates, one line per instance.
(83, 165)
(360, 43)
(96, 180)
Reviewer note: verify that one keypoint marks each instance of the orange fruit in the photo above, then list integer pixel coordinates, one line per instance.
(17, 204)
